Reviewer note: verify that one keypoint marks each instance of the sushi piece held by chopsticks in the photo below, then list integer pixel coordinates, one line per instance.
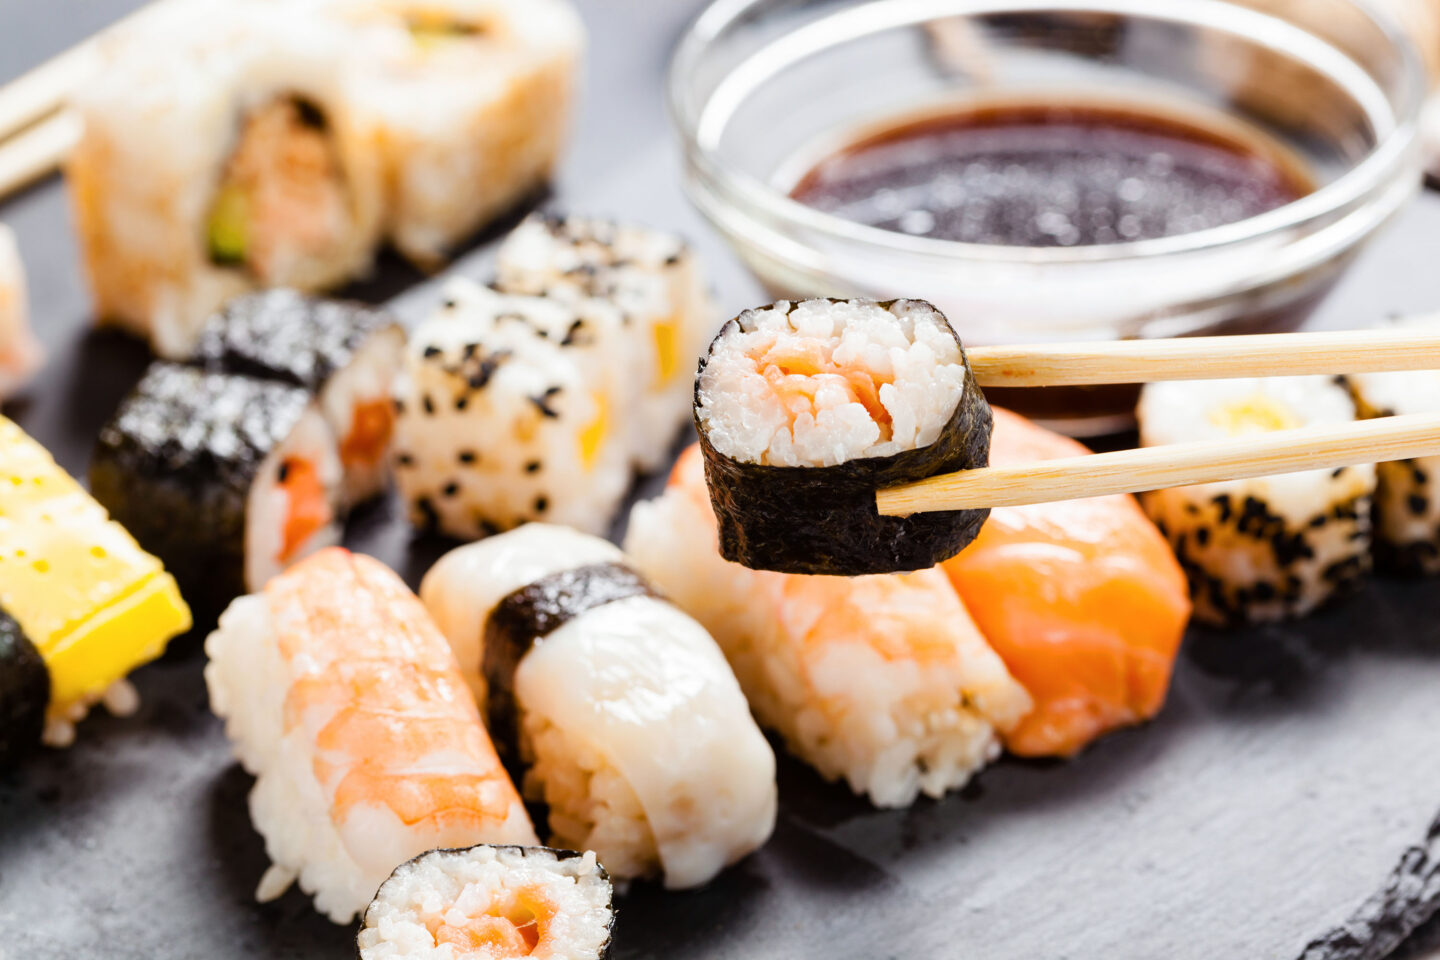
(491, 903)
(345, 702)
(632, 727)
(76, 590)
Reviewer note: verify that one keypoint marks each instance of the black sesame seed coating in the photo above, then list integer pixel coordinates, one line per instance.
(24, 693)
(176, 464)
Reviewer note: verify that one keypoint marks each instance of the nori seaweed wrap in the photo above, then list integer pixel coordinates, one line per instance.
(806, 409)
(207, 471)
(24, 692)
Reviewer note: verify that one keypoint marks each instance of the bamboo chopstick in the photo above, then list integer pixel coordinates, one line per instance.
(1174, 465)
(38, 151)
(44, 90)
(1204, 358)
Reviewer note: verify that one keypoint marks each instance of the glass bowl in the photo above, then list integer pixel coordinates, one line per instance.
(759, 90)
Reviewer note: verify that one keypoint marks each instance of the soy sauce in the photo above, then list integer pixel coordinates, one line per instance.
(1044, 175)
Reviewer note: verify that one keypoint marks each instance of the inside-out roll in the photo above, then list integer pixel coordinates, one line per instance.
(491, 902)
(805, 409)
(632, 727)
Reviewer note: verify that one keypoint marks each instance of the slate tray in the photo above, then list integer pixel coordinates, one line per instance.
(1289, 773)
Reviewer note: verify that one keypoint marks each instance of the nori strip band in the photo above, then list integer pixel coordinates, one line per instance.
(176, 464)
(823, 520)
(284, 335)
(533, 612)
(1410, 897)
(559, 855)
(24, 692)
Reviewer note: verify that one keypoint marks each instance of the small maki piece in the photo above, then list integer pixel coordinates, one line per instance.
(654, 278)
(227, 478)
(492, 902)
(76, 590)
(20, 353)
(632, 728)
(1407, 497)
(511, 409)
(345, 354)
(1270, 548)
(343, 699)
(805, 409)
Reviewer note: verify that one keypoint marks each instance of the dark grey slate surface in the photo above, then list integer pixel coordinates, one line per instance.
(1290, 770)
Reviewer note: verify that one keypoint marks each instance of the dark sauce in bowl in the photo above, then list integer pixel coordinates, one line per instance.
(1045, 175)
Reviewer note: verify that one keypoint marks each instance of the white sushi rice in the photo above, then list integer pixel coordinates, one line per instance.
(654, 279)
(20, 353)
(754, 412)
(1271, 547)
(268, 504)
(891, 727)
(455, 887)
(509, 410)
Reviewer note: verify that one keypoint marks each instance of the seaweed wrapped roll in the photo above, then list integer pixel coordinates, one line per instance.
(345, 354)
(654, 278)
(227, 478)
(20, 353)
(345, 702)
(805, 409)
(1270, 548)
(511, 409)
(75, 589)
(631, 725)
(491, 902)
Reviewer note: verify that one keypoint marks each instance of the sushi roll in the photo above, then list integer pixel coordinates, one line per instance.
(345, 354)
(473, 101)
(77, 592)
(1407, 496)
(221, 153)
(632, 728)
(656, 281)
(345, 702)
(511, 409)
(882, 681)
(805, 409)
(20, 353)
(1083, 600)
(228, 478)
(1270, 548)
(493, 902)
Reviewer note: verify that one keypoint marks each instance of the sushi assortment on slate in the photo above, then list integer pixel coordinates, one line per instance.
(20, 353)
(234, 146)
(630, 724)
(493, 902)
(344, 700)
(1273, 547)
(81, 605)
(805, 409)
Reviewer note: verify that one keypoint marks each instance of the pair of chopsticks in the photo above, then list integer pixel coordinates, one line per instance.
(1183, 464)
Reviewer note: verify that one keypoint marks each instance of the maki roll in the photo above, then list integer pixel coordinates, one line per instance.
(345, 702)
(805, 409)
(20, 353)
(654, 278)
(1083, 600)
(76, 590)
(1270, 548)
(1407, 496)
(631, 726)
(882, 681)
(492, 902)
(221, 153)
(227, 478)
(473, 100)
(511, 409)
(345, 354)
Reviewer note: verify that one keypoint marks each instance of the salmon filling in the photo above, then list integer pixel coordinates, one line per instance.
(372, 424)
(510, 929)
(308, 509)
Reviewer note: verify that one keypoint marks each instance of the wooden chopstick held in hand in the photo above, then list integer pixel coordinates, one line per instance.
(1172, 465)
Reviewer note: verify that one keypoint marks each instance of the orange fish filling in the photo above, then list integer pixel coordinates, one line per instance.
(307, 507)
(370, 429)
(508, 930)
(799, 368)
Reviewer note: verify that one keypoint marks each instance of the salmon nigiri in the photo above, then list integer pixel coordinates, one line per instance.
(1083, 600)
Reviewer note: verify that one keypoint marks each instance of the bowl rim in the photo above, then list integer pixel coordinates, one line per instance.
(1384, 160)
